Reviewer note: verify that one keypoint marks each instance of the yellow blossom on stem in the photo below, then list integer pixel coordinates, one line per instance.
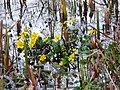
(22, 35)
(91, 31)
(71, 57)
(74, 49)
(32, 43)
(20, 44)
(44, 40)
(61, 63)
(57, 37)
(42, 57)
(34, 35)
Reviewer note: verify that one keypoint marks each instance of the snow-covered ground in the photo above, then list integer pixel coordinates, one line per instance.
(31, 17)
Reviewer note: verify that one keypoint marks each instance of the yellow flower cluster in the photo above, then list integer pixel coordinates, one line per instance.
(71, 57)
(20, 44)
(57, 37)
(42, 57)
(23, 33)
(33, 39)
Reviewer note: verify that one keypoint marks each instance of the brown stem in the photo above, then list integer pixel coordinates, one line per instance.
(1, 25)
(59, 81)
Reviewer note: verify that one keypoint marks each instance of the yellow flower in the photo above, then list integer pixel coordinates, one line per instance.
(44, 40)
(22, 35)
(20, 44)
(72, 20)
(61, 63)
(74, 49)
(25, 29)
(71, 57)
(34, 35)
(57, 37)
(42, 57)
(92, 31)
(32, 43)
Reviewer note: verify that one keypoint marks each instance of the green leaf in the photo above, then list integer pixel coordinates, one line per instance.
(51, 54)
(65, 61)
(56, 47)
(77, 88)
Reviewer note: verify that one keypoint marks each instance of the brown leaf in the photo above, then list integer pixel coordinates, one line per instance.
(107, 19)
(66, 34)
(64, 12)
(107, 16)
(99, 44)
(85, 8)
(5, 61)
(92, 44)
(18, 27)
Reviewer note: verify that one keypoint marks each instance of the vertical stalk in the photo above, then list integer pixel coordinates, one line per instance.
(58, 81)
(67, 82)
(74, 7)
(78, 64)
(50, 22)
(98, 33)
(1, 25)
(6, 58)
(9, 9)
(85, 14)
(1, 80)
(80, 10)
(54, 9)
(114, 29)
(54, 15)
(25, 51)
(82, 76)
(1, 84)
(21, 9)
(63, 12)
(54, 83)
(18, 27)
